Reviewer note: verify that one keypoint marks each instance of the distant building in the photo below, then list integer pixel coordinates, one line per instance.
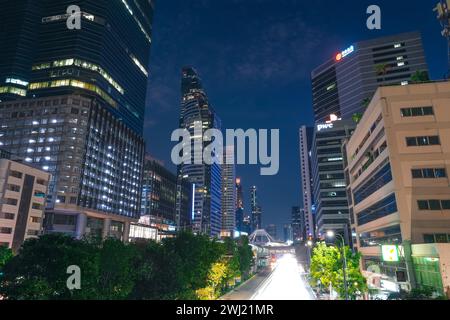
(346, 82)
(256, 209)
(23, 190)
(272, 231)
(229, 194)
(297, 223)
(287, 233)
(240, 207)
(307, 226)
(398, 164)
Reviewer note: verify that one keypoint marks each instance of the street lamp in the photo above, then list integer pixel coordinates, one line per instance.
(331, 234)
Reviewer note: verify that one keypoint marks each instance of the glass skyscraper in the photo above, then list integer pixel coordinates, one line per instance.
(206, 179)
(72, 104)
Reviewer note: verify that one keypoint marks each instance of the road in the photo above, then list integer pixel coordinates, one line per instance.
(285, 282)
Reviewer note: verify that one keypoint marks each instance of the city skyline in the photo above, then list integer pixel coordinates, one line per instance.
(300, 152)
(258, 85)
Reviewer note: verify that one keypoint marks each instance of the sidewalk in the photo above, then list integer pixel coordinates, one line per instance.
(246, 290)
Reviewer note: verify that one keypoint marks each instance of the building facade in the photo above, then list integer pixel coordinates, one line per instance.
(331, 205)
(256, 217)
(206, 179)
(297, 223)
(398, 165)
(229, 194)
(240, 206)
(159, 194)
(23, 191)
(272, 231)
(307, 228)
(75, 108)
(345, 84)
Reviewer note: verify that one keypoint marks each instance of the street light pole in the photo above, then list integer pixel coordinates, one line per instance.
(332, 234)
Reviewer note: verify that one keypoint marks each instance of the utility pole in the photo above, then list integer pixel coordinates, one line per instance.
(443, 15)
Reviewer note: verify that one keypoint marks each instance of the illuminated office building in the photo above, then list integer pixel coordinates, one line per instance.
(345, 83)
(206, 179)
(73, 103)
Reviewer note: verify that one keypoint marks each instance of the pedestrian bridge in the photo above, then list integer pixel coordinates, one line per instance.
(260, 238)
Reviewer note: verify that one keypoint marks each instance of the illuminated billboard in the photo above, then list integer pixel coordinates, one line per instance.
(390, 253)
(346, 52)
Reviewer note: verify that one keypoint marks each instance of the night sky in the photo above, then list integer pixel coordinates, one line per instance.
(255, 59)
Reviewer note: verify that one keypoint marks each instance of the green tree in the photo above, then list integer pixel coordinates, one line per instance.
(245, 256)
(420, 76)
(5, 255)
(327, 266)
(382, 69)
(116, 272)
(39, 271)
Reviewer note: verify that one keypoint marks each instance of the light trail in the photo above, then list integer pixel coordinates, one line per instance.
(285, 283)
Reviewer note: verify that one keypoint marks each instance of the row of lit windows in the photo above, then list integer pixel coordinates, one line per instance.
(83, 64)
(73, 83)
(13, 90)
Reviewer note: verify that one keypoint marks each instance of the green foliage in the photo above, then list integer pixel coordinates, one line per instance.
(5, 255)
(382, 68)
(39, 270)
(185, 267)
(420, 76)
(327, 267)
(357, 117)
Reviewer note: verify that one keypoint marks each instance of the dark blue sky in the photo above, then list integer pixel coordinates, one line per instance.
(255, 59)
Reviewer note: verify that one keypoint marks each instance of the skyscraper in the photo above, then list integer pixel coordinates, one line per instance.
(73, 105)
(229, 195)
(272, 231)
(240, 207)
(344, 84)
(297, 216)
(206, 179)
(256, 217)
(307, 227)
(332, 212)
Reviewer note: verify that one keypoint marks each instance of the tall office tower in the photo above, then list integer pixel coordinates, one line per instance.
(306, 136)
(229, 195)
(297, 223)
(342, 85)
(287, 233)
(73, 105)
(272, 231)
(332, 212)
(206, 179)
(239, 206)
(398, 171)
(159, 191)
(256, 216)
